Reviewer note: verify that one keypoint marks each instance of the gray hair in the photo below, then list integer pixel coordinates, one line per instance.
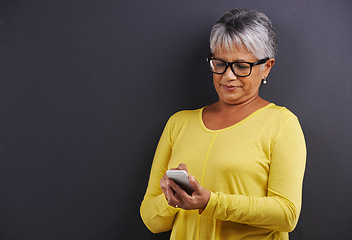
(251, 28)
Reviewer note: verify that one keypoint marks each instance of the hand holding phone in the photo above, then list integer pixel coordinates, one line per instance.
(180, 177)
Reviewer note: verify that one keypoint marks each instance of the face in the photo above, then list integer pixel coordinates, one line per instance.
(239, 90)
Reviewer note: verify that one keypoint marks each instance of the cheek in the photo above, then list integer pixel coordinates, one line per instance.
(250, 85)
(254, 80)
(216, 79)
(257, 75)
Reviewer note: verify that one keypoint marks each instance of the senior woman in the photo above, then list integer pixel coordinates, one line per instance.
(245, 156)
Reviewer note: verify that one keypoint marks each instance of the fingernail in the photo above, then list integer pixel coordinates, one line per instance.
(192, 178)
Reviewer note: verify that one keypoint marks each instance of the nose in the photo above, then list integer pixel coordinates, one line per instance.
(229, 74)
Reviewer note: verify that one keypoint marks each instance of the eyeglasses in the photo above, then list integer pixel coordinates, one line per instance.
(240, 69)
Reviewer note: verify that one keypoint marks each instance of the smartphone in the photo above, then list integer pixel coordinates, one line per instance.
(180, 177)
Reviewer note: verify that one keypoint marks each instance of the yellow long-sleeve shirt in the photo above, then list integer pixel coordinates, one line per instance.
(254, 170)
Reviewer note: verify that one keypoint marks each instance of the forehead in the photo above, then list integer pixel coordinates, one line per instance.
(236, 52)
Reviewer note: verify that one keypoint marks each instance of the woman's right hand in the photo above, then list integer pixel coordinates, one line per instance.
(170, 195)
(177, 197)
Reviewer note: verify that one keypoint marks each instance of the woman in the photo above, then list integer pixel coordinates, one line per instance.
(245, 156)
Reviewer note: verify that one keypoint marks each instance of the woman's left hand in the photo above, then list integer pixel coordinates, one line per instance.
(198, 200)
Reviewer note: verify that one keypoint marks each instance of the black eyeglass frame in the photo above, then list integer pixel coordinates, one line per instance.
(229, 64)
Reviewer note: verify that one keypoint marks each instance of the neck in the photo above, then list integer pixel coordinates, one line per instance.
(231, 108)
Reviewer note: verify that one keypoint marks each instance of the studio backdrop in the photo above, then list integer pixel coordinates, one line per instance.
(87, 86)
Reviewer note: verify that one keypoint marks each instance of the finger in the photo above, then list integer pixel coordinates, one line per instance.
(194, 183)
(172, 197)
(165, 185)
(168, 191)
(174, 200)
(181, 194)
(182, 166)
(163, 182)
(174, 186)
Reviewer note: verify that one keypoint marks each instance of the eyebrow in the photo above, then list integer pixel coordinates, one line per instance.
(241, 60)
(238, 60)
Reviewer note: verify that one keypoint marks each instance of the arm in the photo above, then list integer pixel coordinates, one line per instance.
(280, 209)
(156, 214)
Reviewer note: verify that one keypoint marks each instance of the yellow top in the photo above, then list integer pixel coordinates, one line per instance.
(254, 170)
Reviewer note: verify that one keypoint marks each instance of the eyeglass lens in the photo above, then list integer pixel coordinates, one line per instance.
(240, 68)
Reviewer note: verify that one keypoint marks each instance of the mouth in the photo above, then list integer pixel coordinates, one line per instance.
(230, 87)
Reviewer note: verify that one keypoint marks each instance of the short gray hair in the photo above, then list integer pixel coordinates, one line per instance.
(248, 27)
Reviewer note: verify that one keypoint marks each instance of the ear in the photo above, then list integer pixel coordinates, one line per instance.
(268, 66)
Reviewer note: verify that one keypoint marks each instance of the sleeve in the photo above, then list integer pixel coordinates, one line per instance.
(156, 214)
(280, 209)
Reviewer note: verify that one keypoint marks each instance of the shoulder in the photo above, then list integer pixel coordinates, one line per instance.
(276, 118)
(283, 120)
(185, 115)
(279, 112)
(180, 120)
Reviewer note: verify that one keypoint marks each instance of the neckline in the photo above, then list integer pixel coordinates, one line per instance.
(200, 118)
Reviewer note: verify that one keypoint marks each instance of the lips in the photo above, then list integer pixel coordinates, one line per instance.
(231, 87)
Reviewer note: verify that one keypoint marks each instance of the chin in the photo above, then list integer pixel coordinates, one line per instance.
(231, 101)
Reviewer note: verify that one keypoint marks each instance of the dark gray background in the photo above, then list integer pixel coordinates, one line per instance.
(86, 88)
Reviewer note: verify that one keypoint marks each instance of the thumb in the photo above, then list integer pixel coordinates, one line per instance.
(182, 166)
(194, 183)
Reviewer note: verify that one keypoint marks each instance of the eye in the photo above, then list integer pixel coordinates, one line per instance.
(219, 63)
(241, 65)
